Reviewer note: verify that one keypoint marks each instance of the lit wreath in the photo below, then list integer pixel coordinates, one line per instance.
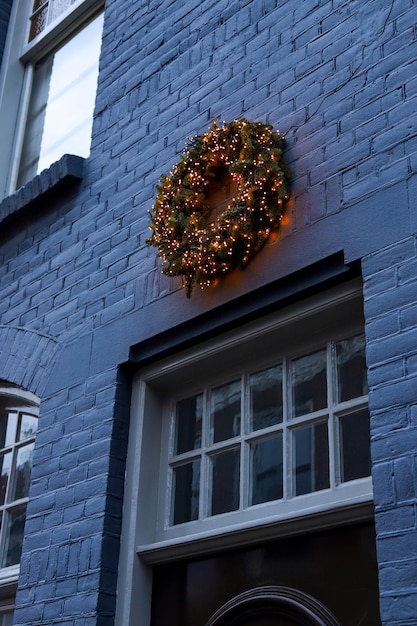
(191, 244)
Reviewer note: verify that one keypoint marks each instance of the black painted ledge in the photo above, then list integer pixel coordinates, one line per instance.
(69, 169)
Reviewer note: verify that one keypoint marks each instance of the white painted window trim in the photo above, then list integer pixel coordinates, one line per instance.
(141, 547)
(16, 74)
(24, 400)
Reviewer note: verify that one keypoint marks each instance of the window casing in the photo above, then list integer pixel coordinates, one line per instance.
(239, 425)
(152, 533)
(39, 88)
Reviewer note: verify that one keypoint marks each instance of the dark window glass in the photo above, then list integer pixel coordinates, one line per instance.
(225, 411)
(225, 482)
(266, 482)
(310, 458)
(265, 390)
(355, 446)
(186, 490)
(309, 383)
(188, 418)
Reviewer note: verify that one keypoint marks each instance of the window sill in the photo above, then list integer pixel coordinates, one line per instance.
(311, 519)
(9, 576)
(68, 170)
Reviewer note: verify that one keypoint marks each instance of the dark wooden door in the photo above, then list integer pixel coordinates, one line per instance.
(338, 567)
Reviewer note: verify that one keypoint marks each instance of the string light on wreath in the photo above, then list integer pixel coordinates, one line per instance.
(190, 243)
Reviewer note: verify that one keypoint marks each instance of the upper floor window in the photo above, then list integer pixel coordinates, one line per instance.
(47, 86)
(44, 12)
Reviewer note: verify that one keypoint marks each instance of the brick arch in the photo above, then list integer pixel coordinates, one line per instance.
(26, 357)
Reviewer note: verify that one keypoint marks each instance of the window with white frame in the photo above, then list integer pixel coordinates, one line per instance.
(298, 426)
(260, 433)
(18, 427)
(48, 85)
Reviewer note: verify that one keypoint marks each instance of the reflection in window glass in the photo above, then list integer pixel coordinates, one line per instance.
(5, 465)
(23, 468)
(14, 536)
(188, 418)
(354, 445)
(186, 489)
(266, 398)
(310, 459)
(225, 481)
(44, 12)
(15, 470)
(309, 383)
(266, 482)
(351, 368)
(8, 425)
(28, 426)
(225, 411)
(61, 108)
(39, 18)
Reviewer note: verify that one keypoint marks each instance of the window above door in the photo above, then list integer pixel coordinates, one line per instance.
(299, 426)
(261, 431)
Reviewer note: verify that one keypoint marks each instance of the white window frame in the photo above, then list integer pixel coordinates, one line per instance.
(16, 75)
(20, 400)
(146, 539)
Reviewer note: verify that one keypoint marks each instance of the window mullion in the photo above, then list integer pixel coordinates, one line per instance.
(286, 444)
(204, 469)
(244, 448)
(21, 127)
(331, 402)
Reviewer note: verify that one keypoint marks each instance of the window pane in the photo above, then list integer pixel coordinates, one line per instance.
(8, 425)
(38, 21)
(265, 390)
(309, 383)
(22, 473)
(28, 426)
(266, 470)
(225, 411)
(355, 458)
(38, 3)
(188, 418)
(225, 468)
(14, 536)
(5, 465)
(62, 103)
(310, 458)
(186, 490)
(58, 7)
(351, 368)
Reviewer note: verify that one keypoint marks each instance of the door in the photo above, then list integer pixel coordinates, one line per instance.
(337, 567)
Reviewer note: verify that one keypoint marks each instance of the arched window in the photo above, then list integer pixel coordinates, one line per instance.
(18, 427)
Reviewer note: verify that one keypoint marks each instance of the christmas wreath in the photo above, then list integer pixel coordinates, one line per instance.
(192, 243)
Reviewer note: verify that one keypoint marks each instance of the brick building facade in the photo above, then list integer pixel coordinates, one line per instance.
(92, 331)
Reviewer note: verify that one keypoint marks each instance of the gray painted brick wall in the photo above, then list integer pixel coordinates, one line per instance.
(390, 286)
(339, 80)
